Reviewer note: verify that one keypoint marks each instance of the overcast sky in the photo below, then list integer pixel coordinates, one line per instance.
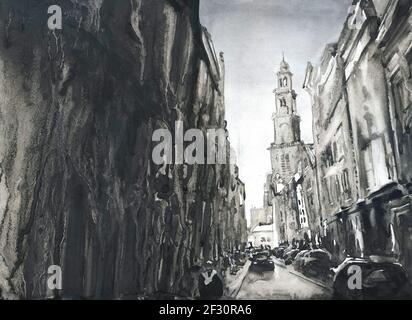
(252, 34)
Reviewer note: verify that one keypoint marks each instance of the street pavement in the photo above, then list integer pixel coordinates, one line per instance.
(282, 284)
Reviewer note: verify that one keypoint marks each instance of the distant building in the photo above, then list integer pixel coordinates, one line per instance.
(257, 217)
(263, 235)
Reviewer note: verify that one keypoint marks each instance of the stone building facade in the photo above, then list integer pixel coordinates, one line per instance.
(79, 187)
(267, 199)
(361, 102)
(263, 215)
(335, 166)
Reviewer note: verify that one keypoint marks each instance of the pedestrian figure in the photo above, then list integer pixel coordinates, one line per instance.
(226, 261)
(210, 285)
(233, 267)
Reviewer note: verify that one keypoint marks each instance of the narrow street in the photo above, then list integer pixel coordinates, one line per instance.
(280, 285)
(206, 150)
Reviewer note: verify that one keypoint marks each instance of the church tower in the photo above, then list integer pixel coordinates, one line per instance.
(289, 159)
(286, 120)
(286, 149)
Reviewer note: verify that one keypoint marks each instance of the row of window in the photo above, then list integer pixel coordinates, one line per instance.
(285, 163)
(338, 187)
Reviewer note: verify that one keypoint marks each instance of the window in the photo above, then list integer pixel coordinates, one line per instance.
(327, 188)
(375, 166)
(345, 179)
(346, 183)
(328, 156)
(399, 94)
(335, 151)
(283, 163)
(401, 104)
(338, 187)
(339, 147)
(310, 199)
(287, 162)
(367, 159)
(318, 255)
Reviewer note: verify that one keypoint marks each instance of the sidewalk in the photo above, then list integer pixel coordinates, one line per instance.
(234, 282)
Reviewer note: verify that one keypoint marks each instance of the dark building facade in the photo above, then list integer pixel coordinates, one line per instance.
(78, 185)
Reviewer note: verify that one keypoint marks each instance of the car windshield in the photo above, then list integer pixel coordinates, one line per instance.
(261, 257)
(319, 255)
(294, 253)
(383, 273)
(301, 254)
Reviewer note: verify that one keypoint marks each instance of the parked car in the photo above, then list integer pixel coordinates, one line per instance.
(381, 278)
(316, 263)
(278, 252)
(290, 256)
(261, 262)
(287, 250)
(297, 263)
